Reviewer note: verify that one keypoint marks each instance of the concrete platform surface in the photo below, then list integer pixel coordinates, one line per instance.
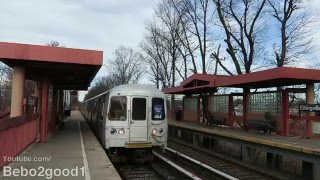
(68, 154)
(308, 146)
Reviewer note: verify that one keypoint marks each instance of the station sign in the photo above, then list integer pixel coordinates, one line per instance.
(309, 107)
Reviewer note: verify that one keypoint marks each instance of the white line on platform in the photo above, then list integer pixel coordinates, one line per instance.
(84, 156)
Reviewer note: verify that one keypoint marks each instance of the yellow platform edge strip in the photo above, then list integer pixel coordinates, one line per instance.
(138, 145)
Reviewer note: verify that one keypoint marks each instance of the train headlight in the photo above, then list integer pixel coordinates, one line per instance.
(154, 131)
(113, 131)
(121, 131)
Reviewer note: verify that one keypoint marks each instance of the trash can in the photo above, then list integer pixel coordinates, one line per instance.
(178, 114)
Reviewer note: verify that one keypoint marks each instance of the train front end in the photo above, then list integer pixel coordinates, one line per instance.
(136, 122)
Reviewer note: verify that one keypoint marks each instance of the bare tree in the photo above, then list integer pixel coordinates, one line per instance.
(159, 57)
(189, 45)
(240, 21)
(156, 71)
(295, 36)
(170, 22)
(5, 86)
(102, 84)
(175, 36)
(168, 58)
(196, 21)
(216, 56)
(53, 44)
(127, 66)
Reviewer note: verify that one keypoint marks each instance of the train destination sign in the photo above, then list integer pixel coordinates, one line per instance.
(157, 111)
(309, 107)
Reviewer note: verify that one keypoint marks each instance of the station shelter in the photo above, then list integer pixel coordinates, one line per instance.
(266, 95)
(54, 70)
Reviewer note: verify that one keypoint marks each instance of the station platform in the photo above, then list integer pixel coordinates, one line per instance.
(72, 147)
(304, 149)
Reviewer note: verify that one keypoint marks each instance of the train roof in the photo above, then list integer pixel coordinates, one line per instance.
(138, 89)
(134, 89)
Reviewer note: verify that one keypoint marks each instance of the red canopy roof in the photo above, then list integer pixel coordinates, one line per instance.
(283, 76)
(66, 68)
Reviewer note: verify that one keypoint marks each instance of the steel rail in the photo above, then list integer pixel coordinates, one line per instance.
(187, 173)
(202, 165)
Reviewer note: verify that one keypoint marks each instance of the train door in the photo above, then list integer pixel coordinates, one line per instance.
(138, 120)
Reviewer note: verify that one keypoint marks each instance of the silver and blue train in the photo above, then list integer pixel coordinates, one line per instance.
(128, 117)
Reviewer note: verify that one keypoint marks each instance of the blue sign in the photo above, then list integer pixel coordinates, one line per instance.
(157, 111)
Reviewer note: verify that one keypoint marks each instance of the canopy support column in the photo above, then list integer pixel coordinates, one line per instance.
(55, 116)
(44, 112)
(310, 96)
(18, 77)
(285, 113)
(230, 111)
(245, 108)
(61, 109)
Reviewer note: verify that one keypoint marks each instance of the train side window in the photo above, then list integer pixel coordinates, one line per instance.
(100, 108)
(118, 108)
(95, 104)
(158, 111)
(139, 106)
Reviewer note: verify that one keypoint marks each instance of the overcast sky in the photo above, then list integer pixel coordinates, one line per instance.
(89, 24)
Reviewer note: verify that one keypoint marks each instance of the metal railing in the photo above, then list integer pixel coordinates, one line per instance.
(304, 126)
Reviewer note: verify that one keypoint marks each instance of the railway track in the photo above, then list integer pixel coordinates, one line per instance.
(198, 170)
(170, 165)
(189, 168)
(181, 162)
(157, 169)
(213, 163)
(134, 171)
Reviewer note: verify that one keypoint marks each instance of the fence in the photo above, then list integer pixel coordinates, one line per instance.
(304, 126)
(16, 134)
(4, 113)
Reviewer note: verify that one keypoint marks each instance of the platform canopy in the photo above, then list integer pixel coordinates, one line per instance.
(282, 76)
(65, 68)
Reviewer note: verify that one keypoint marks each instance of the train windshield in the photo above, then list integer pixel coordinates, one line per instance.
(118, 108)
(158, 111)
(139, 106)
